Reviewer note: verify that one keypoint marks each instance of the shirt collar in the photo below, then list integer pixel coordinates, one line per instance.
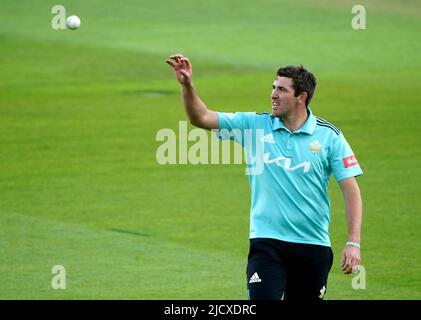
(308, 126)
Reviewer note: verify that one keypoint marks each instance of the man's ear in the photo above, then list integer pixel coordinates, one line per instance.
(302, 97)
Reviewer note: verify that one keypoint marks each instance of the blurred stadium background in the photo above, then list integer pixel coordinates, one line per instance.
(79, 112)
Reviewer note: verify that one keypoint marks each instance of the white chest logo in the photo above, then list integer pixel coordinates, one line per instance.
(285, 163)
(315, 146)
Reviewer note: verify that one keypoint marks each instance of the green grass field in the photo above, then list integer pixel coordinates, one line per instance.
(79, 112)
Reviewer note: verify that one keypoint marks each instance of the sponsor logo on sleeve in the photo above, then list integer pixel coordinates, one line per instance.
(350, 161)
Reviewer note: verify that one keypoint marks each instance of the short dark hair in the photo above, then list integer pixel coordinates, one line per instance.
(302, 80)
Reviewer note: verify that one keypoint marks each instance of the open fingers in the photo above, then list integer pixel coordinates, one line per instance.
(177, 59)
(172, 64)
(185, 61)
(176, 56)
(181, 66)
(181, 59)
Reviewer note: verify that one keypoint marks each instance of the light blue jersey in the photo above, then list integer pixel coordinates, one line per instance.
(289, 196)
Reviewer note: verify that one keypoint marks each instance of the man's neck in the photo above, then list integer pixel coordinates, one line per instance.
(295, 120)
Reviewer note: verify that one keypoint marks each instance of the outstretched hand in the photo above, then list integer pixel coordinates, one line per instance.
(182, 68)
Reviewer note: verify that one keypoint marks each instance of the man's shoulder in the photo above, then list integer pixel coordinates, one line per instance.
(263, 114)
(247, 113)
(263, 119)
(326, 127)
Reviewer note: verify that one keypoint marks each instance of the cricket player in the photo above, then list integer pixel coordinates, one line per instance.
(290, 253)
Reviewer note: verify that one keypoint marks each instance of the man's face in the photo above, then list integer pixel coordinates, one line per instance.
(283, 100)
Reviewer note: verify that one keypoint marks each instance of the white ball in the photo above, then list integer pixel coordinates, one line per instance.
(73, 22)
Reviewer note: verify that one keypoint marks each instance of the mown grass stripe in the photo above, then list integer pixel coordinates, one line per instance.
(133, 233)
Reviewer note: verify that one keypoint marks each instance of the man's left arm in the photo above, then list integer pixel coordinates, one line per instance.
(351, 257)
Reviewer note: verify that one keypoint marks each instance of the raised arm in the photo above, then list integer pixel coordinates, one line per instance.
(197, 112)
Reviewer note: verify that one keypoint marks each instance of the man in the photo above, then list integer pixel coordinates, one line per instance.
(290, 253)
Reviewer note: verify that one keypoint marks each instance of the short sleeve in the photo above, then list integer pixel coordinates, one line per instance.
(343, 162)
(232, 125)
